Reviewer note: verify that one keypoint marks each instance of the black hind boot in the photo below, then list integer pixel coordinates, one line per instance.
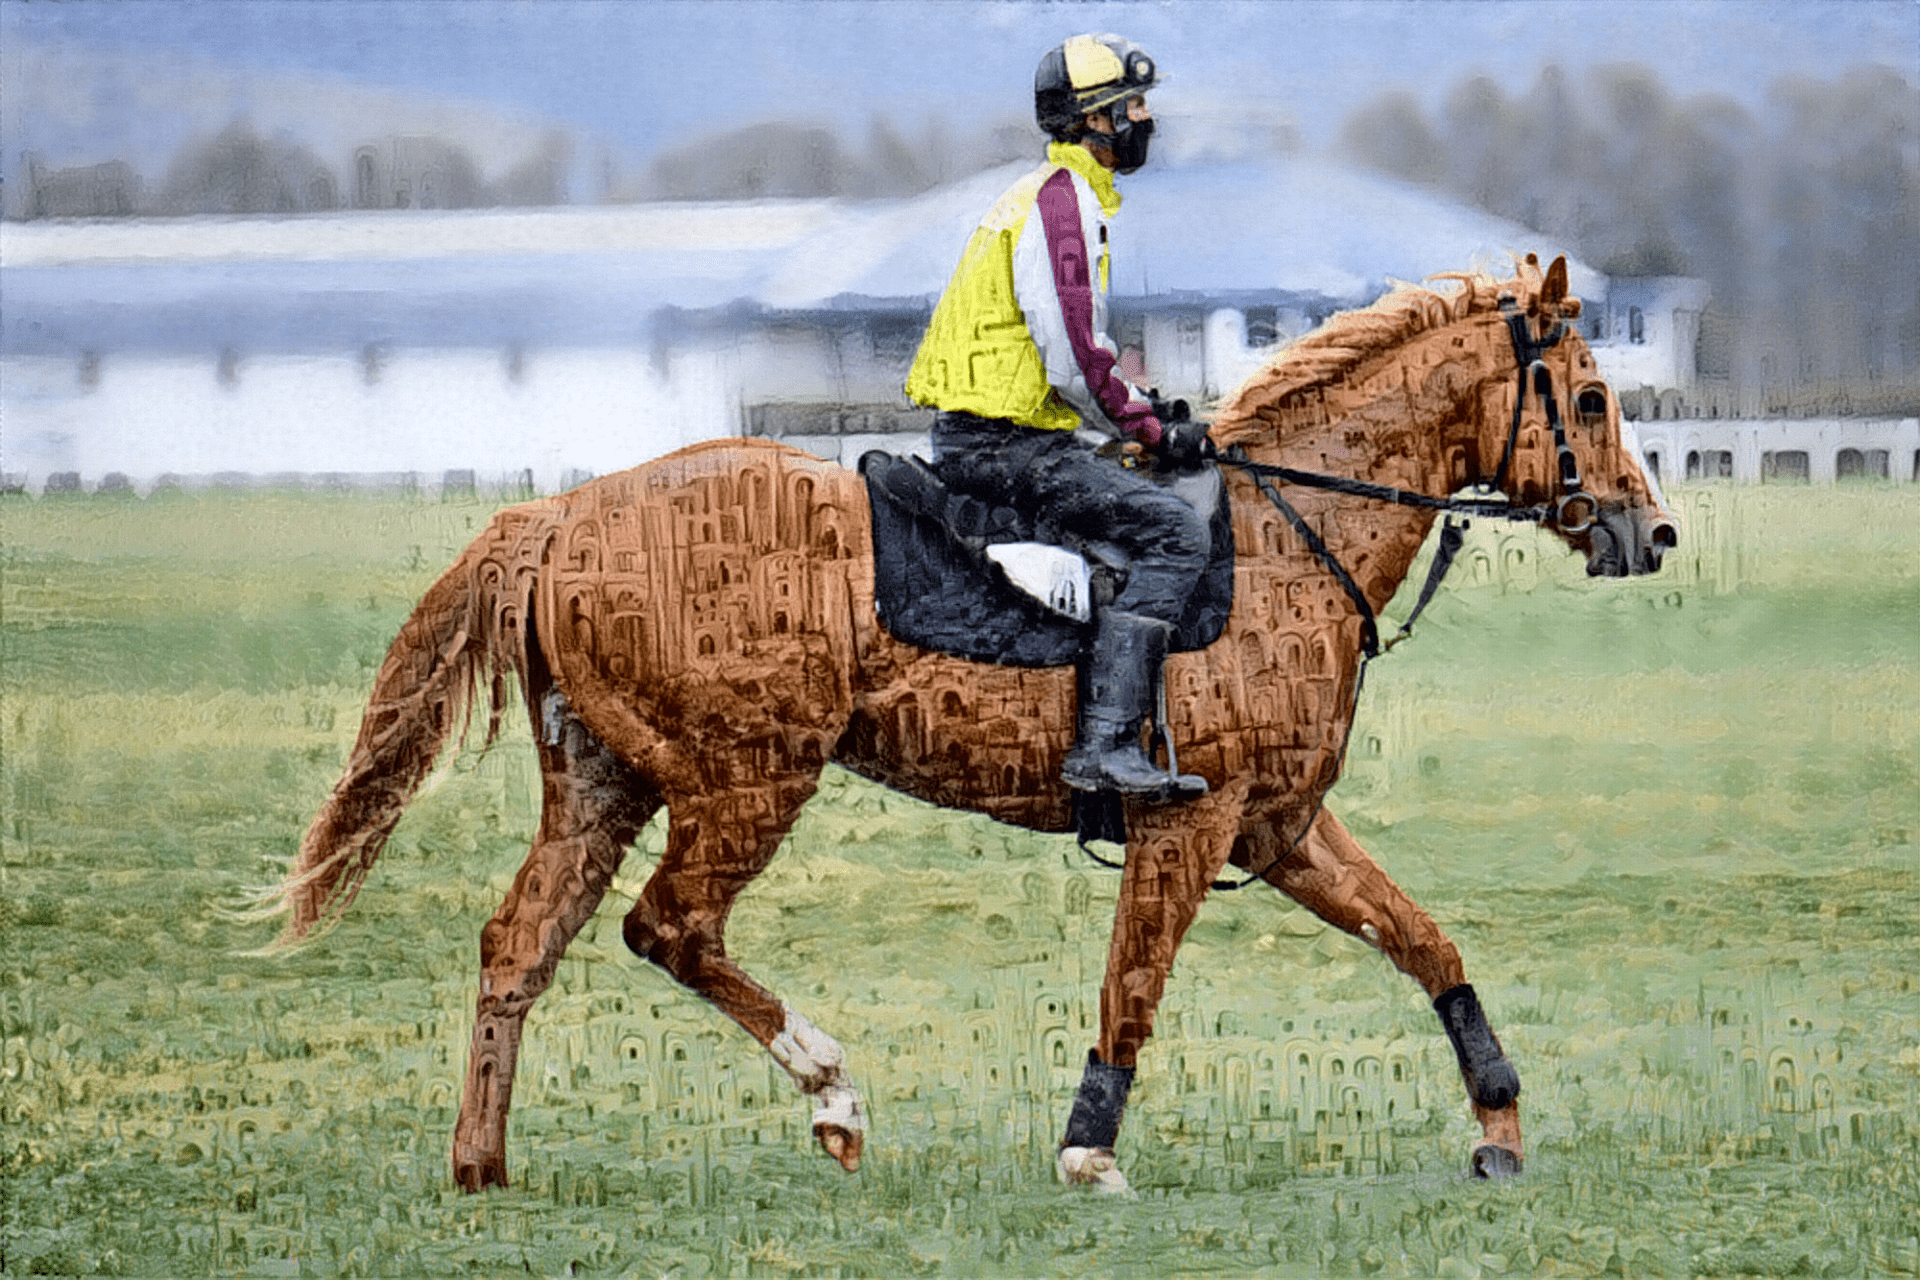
(1117, 682)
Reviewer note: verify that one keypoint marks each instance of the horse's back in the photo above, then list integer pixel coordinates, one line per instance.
(710, 596)
(778, 496)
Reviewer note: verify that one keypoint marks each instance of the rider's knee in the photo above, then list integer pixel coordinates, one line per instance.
(1158, 526)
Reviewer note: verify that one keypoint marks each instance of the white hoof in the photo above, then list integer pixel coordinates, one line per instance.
(818, 1065)
(1093, 1167)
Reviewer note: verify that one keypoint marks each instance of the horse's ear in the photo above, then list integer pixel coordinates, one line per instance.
(1554, 292)
(1528, 269)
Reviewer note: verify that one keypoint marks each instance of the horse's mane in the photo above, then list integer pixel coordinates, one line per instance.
(1348, 339)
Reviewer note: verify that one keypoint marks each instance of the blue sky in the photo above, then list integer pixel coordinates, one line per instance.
(649, 74)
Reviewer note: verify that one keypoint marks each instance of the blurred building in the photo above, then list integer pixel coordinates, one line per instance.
(109, 190)
(533, 346)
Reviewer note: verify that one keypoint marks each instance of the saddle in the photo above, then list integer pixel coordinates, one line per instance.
(989, 584)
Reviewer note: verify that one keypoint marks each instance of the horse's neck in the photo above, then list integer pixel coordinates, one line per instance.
(1381, 427)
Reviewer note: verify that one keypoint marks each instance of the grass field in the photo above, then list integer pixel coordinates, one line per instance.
(1670, 823)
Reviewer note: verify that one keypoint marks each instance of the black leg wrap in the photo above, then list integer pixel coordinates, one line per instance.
(1491, 1079)
(1095, 1118)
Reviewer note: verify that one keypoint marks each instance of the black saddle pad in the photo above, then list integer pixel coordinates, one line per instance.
(935, 587)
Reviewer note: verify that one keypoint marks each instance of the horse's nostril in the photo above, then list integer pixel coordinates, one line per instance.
(1665, 536)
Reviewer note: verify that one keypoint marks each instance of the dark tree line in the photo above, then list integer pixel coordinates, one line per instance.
(1804, 218)
(791, 161)
(240, 171)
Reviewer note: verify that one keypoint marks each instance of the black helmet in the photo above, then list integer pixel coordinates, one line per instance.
(1084, 75)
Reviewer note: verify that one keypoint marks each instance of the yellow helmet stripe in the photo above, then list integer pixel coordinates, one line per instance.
(1091, 64)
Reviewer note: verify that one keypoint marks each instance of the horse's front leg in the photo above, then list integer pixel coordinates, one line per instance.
(1332, 876)
(1173, 854)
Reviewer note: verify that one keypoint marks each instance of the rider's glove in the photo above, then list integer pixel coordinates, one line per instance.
(1185, 444)
(1169, 412)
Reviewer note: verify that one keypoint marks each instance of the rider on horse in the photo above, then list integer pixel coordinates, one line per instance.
(1017, 361)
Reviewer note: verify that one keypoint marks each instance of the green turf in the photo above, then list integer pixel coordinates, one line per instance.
(1670, 823)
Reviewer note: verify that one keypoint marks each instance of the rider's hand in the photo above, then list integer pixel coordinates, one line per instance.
(1185, 444)
(1169, 412)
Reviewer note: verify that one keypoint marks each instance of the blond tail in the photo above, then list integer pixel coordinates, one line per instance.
(461, 630)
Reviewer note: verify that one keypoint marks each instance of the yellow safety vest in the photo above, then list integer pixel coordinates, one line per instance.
(978, 355)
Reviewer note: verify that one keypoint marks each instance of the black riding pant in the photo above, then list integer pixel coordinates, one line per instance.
(1056, 476)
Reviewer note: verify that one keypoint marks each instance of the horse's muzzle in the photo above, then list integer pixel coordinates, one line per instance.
(1629, 541)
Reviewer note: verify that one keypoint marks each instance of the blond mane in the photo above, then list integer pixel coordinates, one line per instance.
(1349, 339)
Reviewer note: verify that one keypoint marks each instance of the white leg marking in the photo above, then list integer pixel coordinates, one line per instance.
(818, 1065)
(553, 714)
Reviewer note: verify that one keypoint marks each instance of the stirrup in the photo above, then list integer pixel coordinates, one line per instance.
(1185, 786)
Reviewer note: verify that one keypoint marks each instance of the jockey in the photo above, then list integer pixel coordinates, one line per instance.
(1017, 361)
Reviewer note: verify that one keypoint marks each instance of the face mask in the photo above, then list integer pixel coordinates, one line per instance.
(1129, 145)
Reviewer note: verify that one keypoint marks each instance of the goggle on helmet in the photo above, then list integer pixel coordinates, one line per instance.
(1087, 74)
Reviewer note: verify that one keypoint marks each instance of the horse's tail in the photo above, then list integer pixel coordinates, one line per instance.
(466, 628)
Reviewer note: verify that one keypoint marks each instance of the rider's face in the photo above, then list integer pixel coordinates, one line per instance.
(1137, 111)
(1099, 123)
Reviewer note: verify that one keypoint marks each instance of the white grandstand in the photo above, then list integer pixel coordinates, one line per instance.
(541, 345)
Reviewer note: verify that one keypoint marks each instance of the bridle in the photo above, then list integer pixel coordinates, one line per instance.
(1527, 351)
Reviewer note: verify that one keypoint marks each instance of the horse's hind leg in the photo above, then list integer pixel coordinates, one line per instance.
(716, 845)
(1332, 876)
(593, 806)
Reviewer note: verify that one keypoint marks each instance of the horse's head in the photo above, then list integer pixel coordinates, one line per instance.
(1488, 385)
(1550, 432)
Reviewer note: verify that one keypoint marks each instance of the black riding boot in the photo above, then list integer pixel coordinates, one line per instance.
(1117, 681)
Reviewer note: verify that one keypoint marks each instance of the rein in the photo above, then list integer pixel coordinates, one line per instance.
(1263, 474)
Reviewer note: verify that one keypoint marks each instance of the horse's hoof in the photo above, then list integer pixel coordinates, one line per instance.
(840, 1124)
(842, 1144)
(1495, 1163)
(1093, 1167)
(477, 1176)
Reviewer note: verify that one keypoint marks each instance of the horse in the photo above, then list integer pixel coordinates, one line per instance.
(700, 633)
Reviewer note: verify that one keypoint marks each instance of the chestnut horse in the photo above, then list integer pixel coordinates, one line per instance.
(700, 633)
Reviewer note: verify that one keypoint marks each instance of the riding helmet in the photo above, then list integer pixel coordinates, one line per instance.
(1086, 74)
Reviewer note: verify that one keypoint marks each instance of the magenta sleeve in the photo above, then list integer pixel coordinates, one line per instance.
(1073, 284)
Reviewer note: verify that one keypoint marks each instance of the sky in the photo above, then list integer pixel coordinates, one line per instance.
(650, 75)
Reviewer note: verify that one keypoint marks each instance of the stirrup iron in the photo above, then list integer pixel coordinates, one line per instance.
(1182, 786)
